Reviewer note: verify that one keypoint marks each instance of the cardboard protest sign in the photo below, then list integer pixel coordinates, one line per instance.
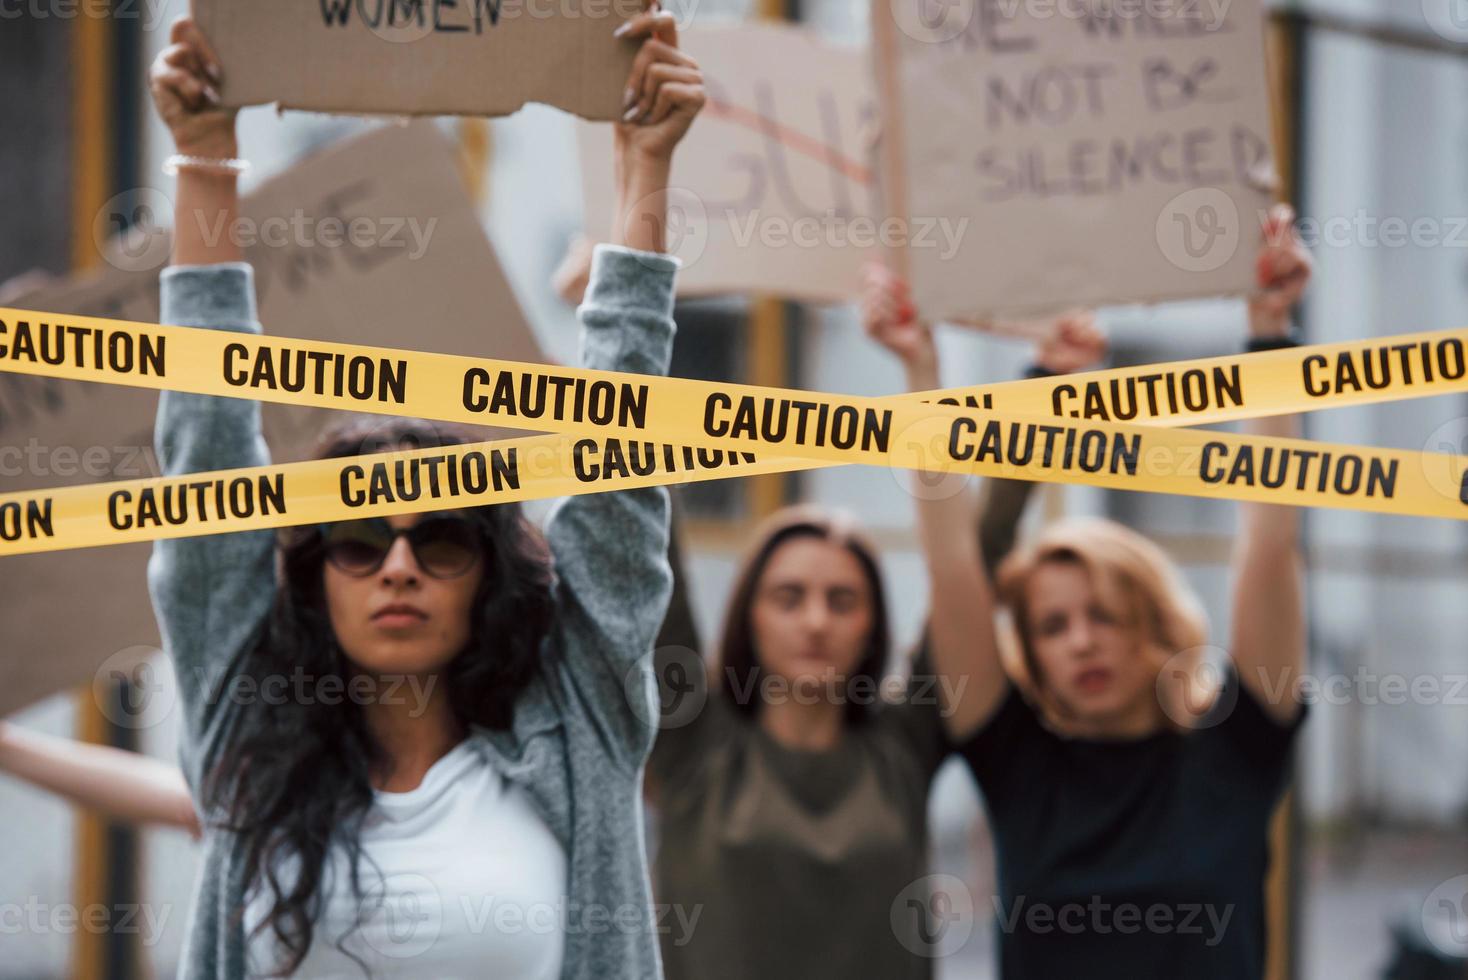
(417, 272)
(773, 191)
(422, 57)
(1100, 151)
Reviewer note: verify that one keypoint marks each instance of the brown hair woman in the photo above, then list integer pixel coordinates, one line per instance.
(791, 775)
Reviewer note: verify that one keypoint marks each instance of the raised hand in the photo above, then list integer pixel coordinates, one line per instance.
(665, 90)
(1283, 268)
(1074, 343)
(183, 80)
(889, 318)
(664, 93)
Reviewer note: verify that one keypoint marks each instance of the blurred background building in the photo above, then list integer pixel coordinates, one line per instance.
(1374, 122)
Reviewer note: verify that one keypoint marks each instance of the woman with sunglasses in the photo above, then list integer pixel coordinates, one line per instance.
(491, 827)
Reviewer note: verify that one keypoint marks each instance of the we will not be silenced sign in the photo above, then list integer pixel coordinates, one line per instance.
(422, 57)
(1103, 151)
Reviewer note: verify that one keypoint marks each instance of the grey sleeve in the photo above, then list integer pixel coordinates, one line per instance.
(611, 549)
(212, 593)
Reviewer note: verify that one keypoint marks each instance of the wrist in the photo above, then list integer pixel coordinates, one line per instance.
(223, 146)
(1266, 325)
(640, 169)
(922, 371)
(1266, 320)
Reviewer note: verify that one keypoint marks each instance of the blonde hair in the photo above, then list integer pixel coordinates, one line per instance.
(1134, 578)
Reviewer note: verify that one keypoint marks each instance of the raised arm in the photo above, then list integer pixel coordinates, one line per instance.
(961, 633)
(211, 594)
(1073, 343)
(124, 785)
(1268, 566)
(611, 548)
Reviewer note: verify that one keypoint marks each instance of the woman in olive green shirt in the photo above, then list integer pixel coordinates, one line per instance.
(791, 774)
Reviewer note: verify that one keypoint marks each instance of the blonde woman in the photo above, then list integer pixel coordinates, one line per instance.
(1131, 828)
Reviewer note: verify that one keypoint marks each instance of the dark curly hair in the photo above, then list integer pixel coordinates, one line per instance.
(294, 780)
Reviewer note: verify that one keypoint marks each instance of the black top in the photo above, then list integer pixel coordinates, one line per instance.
(1132, 858)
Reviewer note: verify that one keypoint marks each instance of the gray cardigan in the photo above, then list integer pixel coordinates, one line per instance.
(579, 739)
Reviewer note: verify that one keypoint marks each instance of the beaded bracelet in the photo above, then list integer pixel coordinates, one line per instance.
(228, 167)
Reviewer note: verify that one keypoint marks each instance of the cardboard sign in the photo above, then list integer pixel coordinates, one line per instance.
(1101, 151)
(418, 272)
(422, 57)
(773, 191)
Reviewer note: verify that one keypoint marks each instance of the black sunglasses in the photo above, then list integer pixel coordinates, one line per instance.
(444, 547)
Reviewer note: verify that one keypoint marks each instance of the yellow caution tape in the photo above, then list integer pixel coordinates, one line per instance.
(536, 396)
(620, 431)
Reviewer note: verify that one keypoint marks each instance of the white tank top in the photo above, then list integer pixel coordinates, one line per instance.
(461, 879)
